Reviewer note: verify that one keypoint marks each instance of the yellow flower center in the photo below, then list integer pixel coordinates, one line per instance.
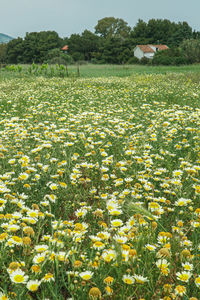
(33, 287)
(128, 281)
(19, 278)
(40, 259)
(86, 277)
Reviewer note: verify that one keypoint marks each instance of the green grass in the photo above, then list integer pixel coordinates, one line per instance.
(95, 71)
(90, 70)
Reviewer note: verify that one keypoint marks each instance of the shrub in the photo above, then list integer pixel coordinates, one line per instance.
(162, 60)
(144, 61)
(133, 60)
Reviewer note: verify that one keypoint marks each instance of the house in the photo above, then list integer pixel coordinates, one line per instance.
(65, 48)
(148, 51)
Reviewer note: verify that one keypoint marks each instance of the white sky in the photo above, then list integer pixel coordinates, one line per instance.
(74, 16)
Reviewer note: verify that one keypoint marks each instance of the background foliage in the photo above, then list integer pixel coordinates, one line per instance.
(112, 42)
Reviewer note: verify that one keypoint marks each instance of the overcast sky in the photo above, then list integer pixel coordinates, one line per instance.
(74, 16)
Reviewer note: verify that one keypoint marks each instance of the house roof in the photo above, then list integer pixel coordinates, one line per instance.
(160, 47)
(146, 48)
(65, 48)
(149, 49)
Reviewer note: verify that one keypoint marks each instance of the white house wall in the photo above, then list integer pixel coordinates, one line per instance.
(149, 55)
(138, 53)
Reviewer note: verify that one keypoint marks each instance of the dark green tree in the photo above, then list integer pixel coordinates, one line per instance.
(3, 50)
(76, 47)
(183, 32)
(90, 44)
(82, 47)
(110, 27)
(115, 51)
(191, 50)
(15, 50)
(159, 31)
(37, 45)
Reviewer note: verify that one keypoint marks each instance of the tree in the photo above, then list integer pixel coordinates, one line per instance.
(3, 49)
(159, 31)
(90, 44)
(140, 30)
(112, 27)
(37, 45)
(191, 50)
(76, 47)
(15, 51)
(183, 32)
(82, 47)
(56, 56)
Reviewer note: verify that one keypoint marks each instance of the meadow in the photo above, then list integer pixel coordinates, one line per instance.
(100, 186)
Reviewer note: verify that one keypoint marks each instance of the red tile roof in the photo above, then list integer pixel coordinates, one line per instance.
(161, 47)
(148, 49)
(65, 48)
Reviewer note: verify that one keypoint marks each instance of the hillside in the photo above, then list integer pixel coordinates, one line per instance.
(4, 38)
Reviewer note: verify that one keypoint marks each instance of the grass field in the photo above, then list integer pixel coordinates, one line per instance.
(127, 70)
(100, 185)
(91, 70)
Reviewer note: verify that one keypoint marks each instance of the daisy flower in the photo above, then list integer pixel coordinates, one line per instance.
(18, 276)
(183, 276)
(33, 285)
(87, 275)
(3, 296)
(187, 266)
(48, 277)
(197, 281)
(39, 258)
(128, 279)
(116, 223)
(180, 290)
(150, 247)
(140, 279)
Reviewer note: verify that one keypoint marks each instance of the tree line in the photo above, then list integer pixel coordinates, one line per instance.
(112, 41)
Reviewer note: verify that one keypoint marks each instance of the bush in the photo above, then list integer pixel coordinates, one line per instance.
(144, 61)
(56, 56)
(170, 60)
(133, 60)
(181, 60)
(162, 60)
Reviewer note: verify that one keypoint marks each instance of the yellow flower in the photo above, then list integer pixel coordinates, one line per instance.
(183, 276)
(29, 231)
(108, 280)
(95, 293)
(36, 269)
(3, 296)
(128, 279)
(180, 290)
(197, 281)
(3, 236)
(18, 276)
(77, 264)
(98, 245)
(33, 285)
(26, 240)
(108, 290)
(163, 252)
(86, 275)
(48, 277)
